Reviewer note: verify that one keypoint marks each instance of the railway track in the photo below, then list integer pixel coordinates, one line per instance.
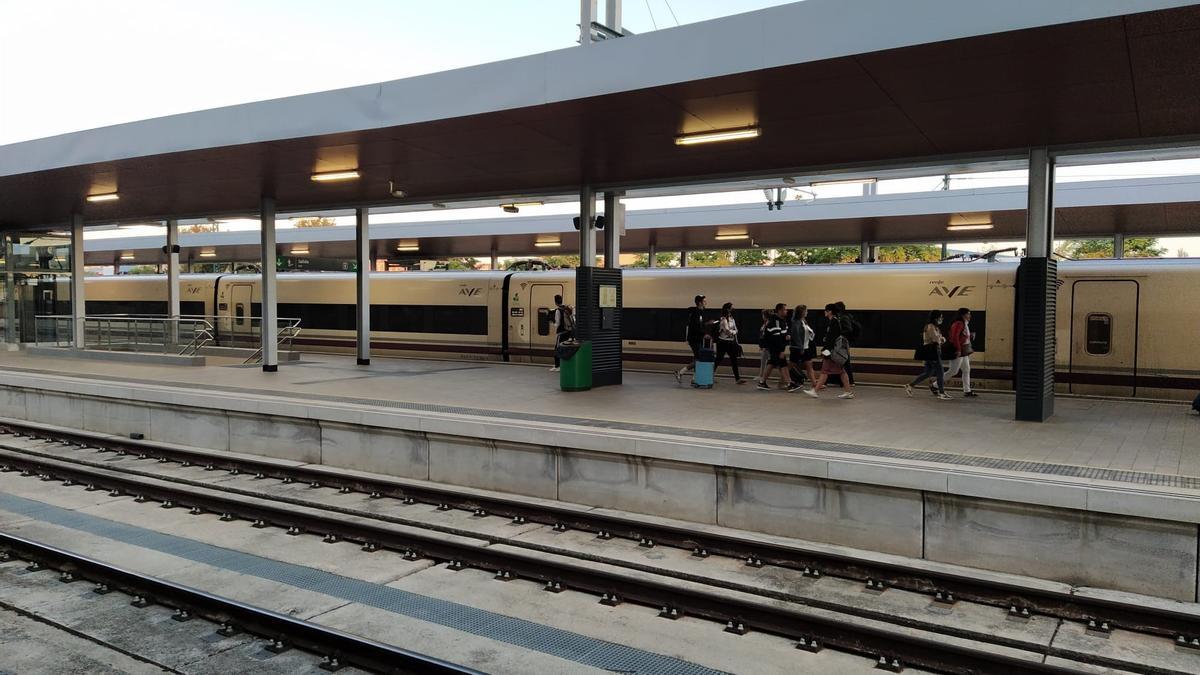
(335, 648)
(558, 572)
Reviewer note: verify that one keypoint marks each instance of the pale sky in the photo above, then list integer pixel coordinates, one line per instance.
(67, 65)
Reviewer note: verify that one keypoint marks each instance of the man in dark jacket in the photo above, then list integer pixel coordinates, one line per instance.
(694, 334)
(775, 338)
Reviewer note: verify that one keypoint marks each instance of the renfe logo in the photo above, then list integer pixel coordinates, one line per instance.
(470, 292)
(950, 292)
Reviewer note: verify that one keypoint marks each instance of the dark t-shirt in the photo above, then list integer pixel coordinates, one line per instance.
(695, 326)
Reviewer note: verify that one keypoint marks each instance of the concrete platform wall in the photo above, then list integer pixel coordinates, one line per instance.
(1143, 555)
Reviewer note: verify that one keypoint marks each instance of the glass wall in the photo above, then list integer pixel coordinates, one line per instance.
(37, 282)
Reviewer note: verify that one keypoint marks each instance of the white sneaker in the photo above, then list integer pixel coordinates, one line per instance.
(554, 369)
(945, 397)
(848, 394)
(812, 393)
(679, 375)
(908, 390)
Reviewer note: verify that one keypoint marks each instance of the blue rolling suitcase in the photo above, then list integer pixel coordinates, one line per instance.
(705, 363)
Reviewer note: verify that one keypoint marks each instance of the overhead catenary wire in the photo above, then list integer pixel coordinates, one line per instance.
(672, 11)
(651, 11)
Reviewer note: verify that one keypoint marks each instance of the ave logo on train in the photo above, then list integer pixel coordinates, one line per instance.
(940, 288)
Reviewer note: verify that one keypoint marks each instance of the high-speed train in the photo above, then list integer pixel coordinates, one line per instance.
(1124, 328)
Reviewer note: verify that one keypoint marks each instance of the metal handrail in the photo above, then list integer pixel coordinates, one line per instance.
(286, 334)
(186, 335)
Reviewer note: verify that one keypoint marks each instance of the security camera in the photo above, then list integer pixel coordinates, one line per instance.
(398, 194)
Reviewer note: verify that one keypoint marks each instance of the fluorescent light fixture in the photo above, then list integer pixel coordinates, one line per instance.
(515, 207)
(335, 176)
(979, 226)
(127, 256)
(106, 197)
(408, 246)
(970, 221)
(548, 243)
(59, 233)
(299, 250)
(208, 253)
(731, 237)
(717, 136)
(845, 181)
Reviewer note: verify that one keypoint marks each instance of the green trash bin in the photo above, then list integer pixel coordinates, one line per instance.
(575, 365)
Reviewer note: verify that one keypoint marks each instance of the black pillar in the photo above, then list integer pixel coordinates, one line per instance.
(1037, 295)
(598, 302)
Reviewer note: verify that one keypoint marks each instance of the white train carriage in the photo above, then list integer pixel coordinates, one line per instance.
(1124, 328)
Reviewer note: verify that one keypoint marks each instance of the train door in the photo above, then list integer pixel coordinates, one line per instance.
(1104, 326)
(540, 315)
(241, 324)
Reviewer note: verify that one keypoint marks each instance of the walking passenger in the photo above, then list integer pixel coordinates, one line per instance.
(930, 353)
(776, 340)
(727, 341)
(694, 334)
(564, 326)
(835, 352)
(764, 354)
(960, 343)
(803, 348)
(851, 330)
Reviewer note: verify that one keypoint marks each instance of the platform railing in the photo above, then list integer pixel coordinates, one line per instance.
(285, 337)
(183, 335)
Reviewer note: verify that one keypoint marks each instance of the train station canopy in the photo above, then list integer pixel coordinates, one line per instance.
(825, 83)
(1151, 206)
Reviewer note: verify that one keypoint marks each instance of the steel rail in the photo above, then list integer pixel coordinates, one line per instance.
(1021, 601)
(739, 615)
(338, 648)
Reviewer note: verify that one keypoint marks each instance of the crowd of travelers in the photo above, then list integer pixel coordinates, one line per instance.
(782, 330)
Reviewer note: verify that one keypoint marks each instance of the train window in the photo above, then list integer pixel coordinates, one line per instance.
(1099, 334)
(239, 310)
(543, 321)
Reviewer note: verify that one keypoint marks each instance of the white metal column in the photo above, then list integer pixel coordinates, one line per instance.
(172, 251)
(78, 298)
(362, 239)
(587, 14)
(1119, 245)
(652, 261)
(614, 227)
(269, 327)
(1039, 234)
(587, 230)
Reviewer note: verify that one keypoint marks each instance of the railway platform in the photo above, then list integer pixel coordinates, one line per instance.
(1106, 494)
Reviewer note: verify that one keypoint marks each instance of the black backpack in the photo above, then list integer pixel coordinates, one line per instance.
(1196, 404)
(850, 328)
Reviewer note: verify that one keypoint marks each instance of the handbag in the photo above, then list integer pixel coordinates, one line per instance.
(926, 352)
(840, 353)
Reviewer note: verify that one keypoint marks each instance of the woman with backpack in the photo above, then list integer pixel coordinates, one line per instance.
(959, 350)
(727, 341)
(930, 353)
(835, 353)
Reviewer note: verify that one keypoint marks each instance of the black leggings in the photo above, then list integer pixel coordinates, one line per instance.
(728, 347)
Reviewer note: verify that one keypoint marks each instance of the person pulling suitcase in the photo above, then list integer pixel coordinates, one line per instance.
(706, 361)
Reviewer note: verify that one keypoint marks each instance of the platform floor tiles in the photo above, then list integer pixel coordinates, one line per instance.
(1111, 435)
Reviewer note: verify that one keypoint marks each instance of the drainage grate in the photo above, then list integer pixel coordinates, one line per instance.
(1065, 470)
(519, 632)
